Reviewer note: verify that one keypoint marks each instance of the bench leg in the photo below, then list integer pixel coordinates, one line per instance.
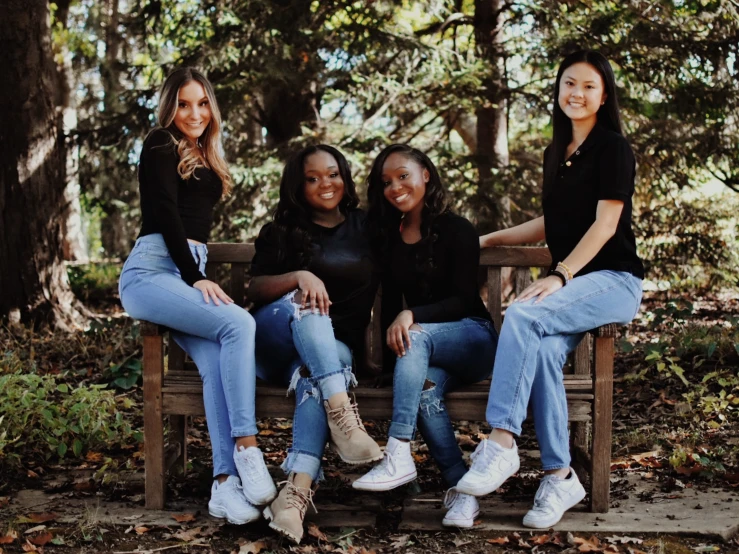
(580, 430)
(153, 425)
(178, 424)
(602, 425)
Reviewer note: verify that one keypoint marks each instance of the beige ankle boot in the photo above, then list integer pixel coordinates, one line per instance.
(349, 437)
(286, 513)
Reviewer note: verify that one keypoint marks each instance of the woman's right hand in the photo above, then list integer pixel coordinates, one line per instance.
(488, 240)
(314, 292)
(212, 290)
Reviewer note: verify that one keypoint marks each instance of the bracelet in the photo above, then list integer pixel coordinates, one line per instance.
(566, 271)
(560, 275)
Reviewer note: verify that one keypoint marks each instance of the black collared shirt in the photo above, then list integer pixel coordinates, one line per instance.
(603, 168)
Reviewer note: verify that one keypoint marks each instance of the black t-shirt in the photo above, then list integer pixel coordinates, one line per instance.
(603, 168)
(178, 209)
(341, 257)
(446, 289)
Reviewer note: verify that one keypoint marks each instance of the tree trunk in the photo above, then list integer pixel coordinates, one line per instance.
(492, 120)
(33, 280)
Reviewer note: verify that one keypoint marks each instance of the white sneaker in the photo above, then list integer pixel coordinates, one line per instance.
(227, 500)
(463, 509)
(554, 497)
(259, 489)
(396, 468)
(491, 466)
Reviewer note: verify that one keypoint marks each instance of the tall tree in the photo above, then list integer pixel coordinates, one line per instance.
(33, 279)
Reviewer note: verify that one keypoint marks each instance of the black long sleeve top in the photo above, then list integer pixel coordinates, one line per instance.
(449, 291)
(178, 209)
(341, 257)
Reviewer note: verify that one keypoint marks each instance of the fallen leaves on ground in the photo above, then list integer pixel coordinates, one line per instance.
(38, 518)
(314, 531)
(623, 540)
(499, 540)
(187, 535)
(593, 545)
(34, 529)
(42, 539)
(9, 537)
(252, 547)
(182, 518)
(399, 542)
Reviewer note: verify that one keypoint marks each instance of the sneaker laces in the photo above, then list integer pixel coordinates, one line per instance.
(450, 497)
(298, 497)
(387, 465)
(546, 490)
(346, 417)
(483, 456)
(255, 463)
(455, 500)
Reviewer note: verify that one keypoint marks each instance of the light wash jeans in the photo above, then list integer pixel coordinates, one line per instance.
(533, 347)
(219, 339)
(289, 339)
(447, 355)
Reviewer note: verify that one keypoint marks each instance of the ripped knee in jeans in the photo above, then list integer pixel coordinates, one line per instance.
(431, 402)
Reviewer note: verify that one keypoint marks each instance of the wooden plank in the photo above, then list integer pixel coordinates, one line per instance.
(238, 283)
(210, 271)
(178, 440)
(230, 252)
(153, 427)
(582, 356)
(523, 279)
(175, 356)
(515, 256)
(495, 305)
(602, 425)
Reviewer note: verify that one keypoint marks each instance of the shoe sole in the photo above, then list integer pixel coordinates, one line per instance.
(356, 462)
(486, 489)
(269, 516)
(387, 486)
(224, 515)
(467, 524)
(547, 524)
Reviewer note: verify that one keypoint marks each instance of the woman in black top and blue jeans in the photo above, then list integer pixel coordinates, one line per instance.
(445, 337)
(314, 283)
(595, 279)
(182, 175)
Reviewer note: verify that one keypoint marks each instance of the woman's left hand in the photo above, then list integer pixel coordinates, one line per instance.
(397, 334)
(541, 288)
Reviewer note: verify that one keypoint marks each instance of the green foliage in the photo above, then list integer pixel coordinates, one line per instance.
(125, 374)
(94, 281)
(44, 420)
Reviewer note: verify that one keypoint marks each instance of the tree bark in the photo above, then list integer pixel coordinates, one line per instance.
(33, 279)
(492, 118)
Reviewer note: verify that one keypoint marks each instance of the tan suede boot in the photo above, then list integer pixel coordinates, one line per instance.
(286, 513)
(349, 438)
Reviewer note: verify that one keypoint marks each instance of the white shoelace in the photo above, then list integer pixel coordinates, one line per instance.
(387, 465)
(453, 499)
(546, 489)
(258, 470)
(483, 456)
(450, 497)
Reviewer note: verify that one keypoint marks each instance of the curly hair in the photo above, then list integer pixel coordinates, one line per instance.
(292, 217)
(384, 219)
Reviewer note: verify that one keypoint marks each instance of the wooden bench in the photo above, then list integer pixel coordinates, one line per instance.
(174, 389)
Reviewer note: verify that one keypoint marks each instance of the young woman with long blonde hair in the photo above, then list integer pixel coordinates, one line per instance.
(182, 175)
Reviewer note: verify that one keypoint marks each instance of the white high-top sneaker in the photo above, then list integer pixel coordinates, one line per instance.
(396, 468)
(554, 497)
(227, 501)
(463, 509)
(491, 466)
(259, 489)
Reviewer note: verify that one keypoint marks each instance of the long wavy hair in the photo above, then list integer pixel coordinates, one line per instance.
(209, 151)
(608, 114)
(293, 215)
(384, 219)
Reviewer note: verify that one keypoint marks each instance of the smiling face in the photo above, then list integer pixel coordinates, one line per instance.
(193, 110)
(404, 182)
(324, 187)
(581, 92)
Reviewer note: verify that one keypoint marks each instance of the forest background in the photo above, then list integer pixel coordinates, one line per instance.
(469, 82)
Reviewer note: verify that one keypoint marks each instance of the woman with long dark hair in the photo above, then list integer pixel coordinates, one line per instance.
(182, 175)
(314, 283)
(595, 279)
(445, 337)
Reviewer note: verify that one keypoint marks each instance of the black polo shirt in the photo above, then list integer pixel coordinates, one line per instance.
(603, 168)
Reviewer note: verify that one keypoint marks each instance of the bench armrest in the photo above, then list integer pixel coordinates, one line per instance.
(149, 329)
(608, 330)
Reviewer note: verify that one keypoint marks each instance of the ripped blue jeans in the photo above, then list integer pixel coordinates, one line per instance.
(291, 342)
(442, 357)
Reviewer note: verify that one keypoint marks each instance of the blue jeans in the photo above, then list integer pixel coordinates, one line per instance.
(289, 339)
(219, 339)
(446, 355)
(533, 347)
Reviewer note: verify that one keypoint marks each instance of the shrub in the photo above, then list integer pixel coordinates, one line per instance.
(43, 419)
